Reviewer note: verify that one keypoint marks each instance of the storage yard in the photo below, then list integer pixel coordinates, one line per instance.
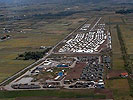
(79, 62)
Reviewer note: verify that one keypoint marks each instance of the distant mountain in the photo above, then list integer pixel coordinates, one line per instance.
(64, 1)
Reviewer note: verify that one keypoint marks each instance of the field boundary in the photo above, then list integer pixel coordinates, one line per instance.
(127, 61)
(22, 71)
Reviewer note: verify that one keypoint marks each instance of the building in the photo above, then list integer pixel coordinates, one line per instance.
(62, 65)
(124, 74)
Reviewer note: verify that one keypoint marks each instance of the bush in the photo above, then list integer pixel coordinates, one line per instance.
(33, 55)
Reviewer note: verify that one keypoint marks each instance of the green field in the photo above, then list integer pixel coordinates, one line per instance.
(54, 93)
(120, 87)
(8, 99)
(47, 35)
(36, 29)
(128, 36)
(117, 62)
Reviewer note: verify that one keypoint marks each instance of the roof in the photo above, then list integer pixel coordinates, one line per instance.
(46, 63)
(62, 66)
(60, 74)
(124, 74)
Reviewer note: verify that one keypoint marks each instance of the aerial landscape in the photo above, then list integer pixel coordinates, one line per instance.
(66, 50)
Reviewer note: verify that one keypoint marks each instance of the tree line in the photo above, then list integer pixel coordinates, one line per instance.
(127, 61)
(32, 55)
(124, 11)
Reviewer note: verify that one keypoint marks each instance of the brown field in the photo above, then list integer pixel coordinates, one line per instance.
(115, 73)
(76, 71)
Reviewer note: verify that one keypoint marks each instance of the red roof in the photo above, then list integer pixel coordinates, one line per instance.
(124, 74)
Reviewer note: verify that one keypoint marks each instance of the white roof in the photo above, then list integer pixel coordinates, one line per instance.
(101, 83)
(47, 63)
(25, 80)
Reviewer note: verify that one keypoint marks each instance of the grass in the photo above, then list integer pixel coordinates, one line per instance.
(115, 19)
(127, 50)
(8, 99)
(120, 88)
(118, 62)
(123, 86)
(52, 93)
(47, 35)
(121, 95)
(49, 98)
(9, 66)
(128, 37)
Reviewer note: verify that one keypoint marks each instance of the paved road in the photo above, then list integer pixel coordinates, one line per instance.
(40, 60)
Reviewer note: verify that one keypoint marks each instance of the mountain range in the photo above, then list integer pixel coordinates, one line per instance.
(63, 1)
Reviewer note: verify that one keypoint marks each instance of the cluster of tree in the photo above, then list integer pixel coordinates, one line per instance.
(32, 55)
(41, 16)
(5, 37)
(124, 11)
(127, 61)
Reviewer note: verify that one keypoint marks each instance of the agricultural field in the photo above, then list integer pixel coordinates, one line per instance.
(120, 91)
(89, 94)
(117, 62)
(127, 35)
(33, 26)
(8, 99)
(117, 55)
(30, 39)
